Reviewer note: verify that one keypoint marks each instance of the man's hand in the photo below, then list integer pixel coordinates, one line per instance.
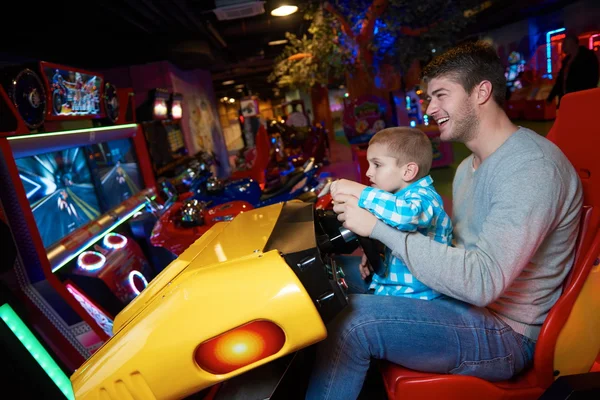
(353, 217)
(365, 267)
(344, 186)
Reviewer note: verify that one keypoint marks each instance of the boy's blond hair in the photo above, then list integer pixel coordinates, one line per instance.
(407, 145)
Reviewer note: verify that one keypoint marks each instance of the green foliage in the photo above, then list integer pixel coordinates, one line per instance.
(333, 53)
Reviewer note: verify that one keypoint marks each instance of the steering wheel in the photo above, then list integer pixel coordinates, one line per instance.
(340, 240)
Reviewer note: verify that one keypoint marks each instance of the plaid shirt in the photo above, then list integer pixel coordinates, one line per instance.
(416, 208)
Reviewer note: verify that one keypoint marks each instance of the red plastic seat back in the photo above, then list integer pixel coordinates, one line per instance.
(577, 133)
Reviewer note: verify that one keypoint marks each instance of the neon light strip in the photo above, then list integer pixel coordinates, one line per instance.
(34, 347)
(591, 41)
(91, 267)
(549, 50)
(132, 275)
(97, 238)
(74, 131)
(114, 246)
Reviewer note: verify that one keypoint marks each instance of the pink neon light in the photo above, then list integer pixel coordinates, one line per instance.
(591, 41)
(101, 319)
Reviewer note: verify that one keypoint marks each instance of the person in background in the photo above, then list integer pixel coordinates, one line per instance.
(579, 71)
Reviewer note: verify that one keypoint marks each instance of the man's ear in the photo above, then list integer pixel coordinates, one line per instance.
(484, 92)
(411, 171)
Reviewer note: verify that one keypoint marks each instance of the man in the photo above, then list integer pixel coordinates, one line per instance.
(579, 69)
(516, 209)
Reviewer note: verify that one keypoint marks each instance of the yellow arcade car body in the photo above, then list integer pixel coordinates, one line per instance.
(247, 292)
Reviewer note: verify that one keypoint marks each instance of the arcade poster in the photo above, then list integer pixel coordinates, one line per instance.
(363, 117)
(60, 191)
(73, 93)
(115, 169)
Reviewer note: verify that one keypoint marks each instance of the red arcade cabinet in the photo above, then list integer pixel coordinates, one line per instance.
(77, 182)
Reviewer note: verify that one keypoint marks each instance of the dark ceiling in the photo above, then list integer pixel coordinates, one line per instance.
(109, 33)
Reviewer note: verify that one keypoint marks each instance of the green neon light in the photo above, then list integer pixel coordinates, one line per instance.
(37, 351)
(73, 132)
(96, 239)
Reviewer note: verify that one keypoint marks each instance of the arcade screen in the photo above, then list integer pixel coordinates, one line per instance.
(115, 169)
(60, 191)
(72, 92)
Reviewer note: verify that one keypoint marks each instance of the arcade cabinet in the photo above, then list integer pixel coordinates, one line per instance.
(76, 181)
(410, 110)
(27, 366)
(160, 118)
(532, 86)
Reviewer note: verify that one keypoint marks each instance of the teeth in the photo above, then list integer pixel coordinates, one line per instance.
(442, 120)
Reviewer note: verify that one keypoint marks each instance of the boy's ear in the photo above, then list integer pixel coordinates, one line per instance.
(411, 171)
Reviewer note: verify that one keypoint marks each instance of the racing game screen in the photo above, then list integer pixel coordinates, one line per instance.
(60, 191)
(115, 169)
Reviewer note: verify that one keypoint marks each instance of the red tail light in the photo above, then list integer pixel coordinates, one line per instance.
(239, 347)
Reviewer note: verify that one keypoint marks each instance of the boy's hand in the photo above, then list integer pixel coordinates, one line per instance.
(344, 186)
(365, 267)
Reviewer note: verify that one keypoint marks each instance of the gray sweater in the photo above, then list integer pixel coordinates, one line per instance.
(515, 225)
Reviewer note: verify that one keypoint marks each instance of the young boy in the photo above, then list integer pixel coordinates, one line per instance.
(401, 195)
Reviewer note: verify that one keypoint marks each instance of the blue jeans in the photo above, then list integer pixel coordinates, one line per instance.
(443, 336)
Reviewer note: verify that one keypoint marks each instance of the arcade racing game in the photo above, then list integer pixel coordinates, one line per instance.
(283, 276)
(76, 181)
(160, 118)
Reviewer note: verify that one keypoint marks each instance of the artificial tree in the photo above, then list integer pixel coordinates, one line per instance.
(369, 43)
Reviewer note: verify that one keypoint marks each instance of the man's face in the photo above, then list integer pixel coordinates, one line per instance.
(384, 171)
(453, 110)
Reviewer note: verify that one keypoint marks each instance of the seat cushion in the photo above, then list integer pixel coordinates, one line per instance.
(403, 383)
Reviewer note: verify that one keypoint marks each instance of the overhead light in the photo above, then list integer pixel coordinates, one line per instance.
(240, 86)
(284, 10)
(228, 82)
(278, 42)
(232, 100)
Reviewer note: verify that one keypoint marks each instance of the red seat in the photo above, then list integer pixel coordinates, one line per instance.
(570, 337)
(258, 170)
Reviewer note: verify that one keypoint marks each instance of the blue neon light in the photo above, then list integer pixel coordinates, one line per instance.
(549, 50)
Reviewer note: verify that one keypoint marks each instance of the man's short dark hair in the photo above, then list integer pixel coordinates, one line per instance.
(470, 64)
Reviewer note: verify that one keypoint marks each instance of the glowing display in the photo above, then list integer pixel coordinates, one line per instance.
(140, 278)
(91, 260)
(160, 109)
(114, 241)
(60, 192)
(239, 347)
(176, 110)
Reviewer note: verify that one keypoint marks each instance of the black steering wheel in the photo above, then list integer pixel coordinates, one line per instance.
(340, 240)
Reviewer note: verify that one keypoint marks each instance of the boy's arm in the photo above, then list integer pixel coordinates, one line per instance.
(345, 186)
(407, 214)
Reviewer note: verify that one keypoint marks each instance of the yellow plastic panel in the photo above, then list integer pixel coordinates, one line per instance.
(247, 233)
(156, 348)
(579, 342)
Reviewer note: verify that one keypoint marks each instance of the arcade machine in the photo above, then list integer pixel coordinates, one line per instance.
(160, 118)
(536, 81)
(410, 111)
(76, 180)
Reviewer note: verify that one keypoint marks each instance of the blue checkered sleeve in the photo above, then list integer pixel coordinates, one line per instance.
(407, 213)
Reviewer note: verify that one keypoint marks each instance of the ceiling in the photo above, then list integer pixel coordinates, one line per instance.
(109, 33)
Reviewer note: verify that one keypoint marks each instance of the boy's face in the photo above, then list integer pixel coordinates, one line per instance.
(453, 110)
(385, 172)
